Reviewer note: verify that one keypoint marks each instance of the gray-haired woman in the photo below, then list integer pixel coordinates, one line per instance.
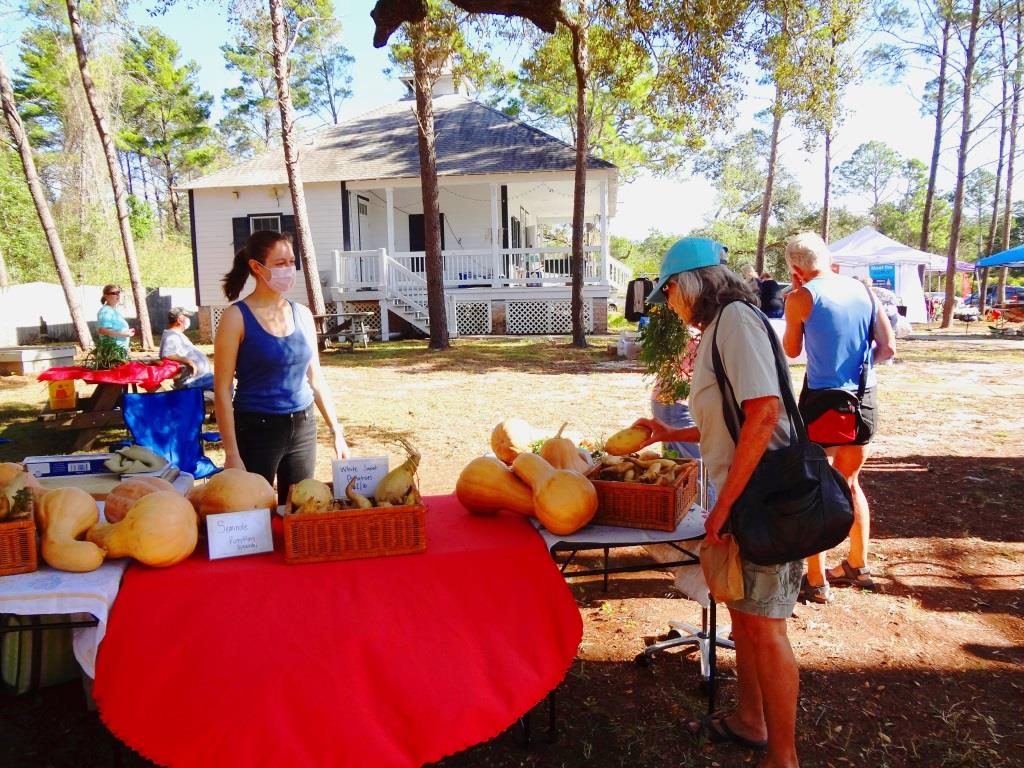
(711, 297)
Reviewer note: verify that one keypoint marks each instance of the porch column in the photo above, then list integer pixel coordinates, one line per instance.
(495, 239)
(606, 266)
(385, 303)
(390, 194)
(353, 222)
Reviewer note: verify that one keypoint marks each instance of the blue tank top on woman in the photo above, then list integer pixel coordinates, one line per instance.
(271, 370)
(836, 333)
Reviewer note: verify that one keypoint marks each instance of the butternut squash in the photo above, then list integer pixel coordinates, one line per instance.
(512, 437)
(160, 529)
(564, 501)
(65, 514)
(485, 486)
(562, 453)
(626, 441)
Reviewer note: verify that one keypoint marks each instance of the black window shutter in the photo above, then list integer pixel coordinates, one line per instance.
(417, 235)
(239, 232)
(288, 227)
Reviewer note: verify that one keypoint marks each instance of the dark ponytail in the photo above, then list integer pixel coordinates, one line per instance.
(257, 248)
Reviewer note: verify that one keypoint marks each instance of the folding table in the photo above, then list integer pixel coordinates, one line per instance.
(685, 539)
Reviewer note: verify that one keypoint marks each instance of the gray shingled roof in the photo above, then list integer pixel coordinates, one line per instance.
(382, 144)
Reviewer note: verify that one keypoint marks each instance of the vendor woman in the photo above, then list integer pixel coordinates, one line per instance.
(268, 344)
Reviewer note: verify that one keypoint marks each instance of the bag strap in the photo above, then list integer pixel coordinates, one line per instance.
(862, 384)
(797, 429)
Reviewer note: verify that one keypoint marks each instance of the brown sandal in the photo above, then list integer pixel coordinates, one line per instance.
(854, 577)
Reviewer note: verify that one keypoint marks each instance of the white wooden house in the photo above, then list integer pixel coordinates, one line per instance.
(502, 184)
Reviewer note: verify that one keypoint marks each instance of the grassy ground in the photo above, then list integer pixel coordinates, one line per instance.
(924, 673)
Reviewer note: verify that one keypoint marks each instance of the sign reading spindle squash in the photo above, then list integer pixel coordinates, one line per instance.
(232, 534)
(368, 472)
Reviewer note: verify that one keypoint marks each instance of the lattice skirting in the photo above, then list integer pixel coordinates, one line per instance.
(473, 318)
(215, 315)
(545, 317)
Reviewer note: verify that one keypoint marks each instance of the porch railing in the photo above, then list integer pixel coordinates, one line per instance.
(517, 267)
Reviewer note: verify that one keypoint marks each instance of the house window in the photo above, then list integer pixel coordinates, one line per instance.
(517, 233)
(417, 236)
(264, 224)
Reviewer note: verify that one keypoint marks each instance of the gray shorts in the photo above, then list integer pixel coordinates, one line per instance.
(770, 590)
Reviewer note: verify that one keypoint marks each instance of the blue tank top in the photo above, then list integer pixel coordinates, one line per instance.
(836, 333)
(271, 370)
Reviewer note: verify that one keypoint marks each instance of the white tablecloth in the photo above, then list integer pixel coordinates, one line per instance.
(48, 590)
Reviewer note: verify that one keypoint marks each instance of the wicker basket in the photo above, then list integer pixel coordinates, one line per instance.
(348, 534)
(18, 547)
(639, 505)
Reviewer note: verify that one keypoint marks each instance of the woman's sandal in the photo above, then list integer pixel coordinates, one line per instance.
(811, 594)
(718, 731)
(854, 577)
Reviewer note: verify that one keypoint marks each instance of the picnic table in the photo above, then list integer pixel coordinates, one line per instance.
(100, 409)
(390, 661)
(344, 326)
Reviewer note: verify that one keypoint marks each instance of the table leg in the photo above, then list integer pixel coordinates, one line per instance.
(712, 633)
(103, 399)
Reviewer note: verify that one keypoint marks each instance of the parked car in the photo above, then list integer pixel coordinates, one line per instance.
(1014, 295)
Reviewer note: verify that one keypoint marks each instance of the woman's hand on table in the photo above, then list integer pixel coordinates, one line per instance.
(341, 449)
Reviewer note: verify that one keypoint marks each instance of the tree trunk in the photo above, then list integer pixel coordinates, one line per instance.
(990, 245)
(123, 221)
(1018, 75)
(171, 194)
(581, 65)
(940, 107)
(306, 249)
(766, 201)
(42, 207)
(428, 182)
(961, 165)
(826, 206)
(5, 279)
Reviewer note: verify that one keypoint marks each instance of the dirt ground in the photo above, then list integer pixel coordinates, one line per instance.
(926, 671)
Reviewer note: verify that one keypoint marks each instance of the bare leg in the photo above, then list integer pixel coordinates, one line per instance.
(779, 683)
(849, 459)
(748, 720)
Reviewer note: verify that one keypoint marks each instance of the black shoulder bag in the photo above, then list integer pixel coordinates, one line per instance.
(795, 503)
(833, 415)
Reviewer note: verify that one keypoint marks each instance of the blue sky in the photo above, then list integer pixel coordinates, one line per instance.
(876, 111)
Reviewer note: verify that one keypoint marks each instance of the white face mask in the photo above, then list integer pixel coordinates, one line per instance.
(187, 325)
(281, 280)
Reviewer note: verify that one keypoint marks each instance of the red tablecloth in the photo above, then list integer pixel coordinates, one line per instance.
(146, 376)
(394, 661)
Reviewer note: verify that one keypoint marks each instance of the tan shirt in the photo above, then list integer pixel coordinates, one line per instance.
(749, 366)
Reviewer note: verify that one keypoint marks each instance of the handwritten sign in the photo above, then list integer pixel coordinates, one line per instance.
(368, 472)
(231, 534)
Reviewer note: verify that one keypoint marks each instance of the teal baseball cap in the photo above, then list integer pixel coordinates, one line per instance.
(685, 255)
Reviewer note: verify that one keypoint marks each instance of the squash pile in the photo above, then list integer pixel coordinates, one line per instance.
(396, 489)
(648, 468)
(158, 528)
(549, 485)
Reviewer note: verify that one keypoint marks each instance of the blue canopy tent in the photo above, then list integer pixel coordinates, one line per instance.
(1011, 258)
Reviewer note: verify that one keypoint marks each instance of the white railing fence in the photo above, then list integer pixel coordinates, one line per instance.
(619, 274)
(516, 267)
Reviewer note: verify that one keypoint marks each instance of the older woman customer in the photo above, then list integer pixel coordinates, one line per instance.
(707, 295)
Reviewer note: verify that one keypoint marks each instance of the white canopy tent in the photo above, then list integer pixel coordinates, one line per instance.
(869, 253)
